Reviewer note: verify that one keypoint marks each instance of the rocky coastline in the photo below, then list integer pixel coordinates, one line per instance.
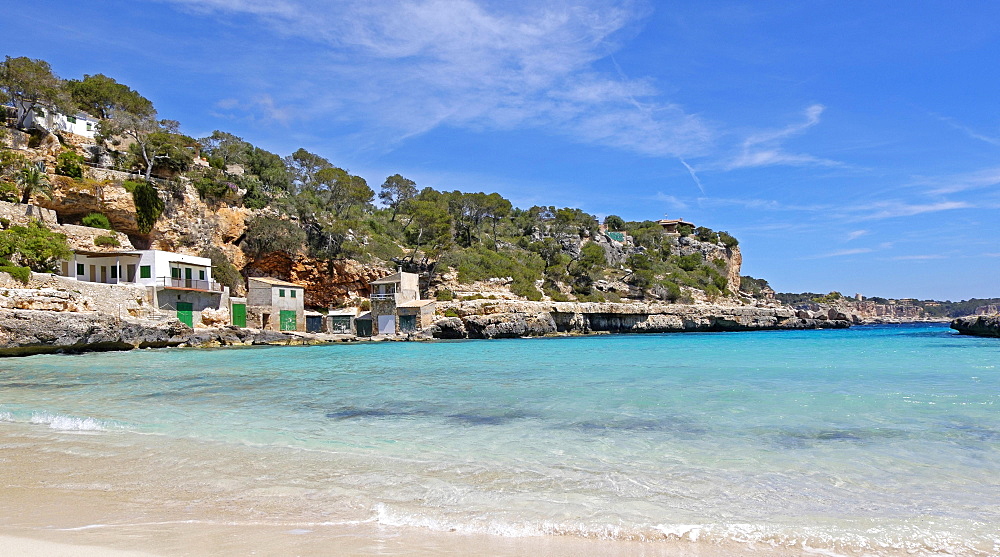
(488, 319)
(978, 325)
(25, 332)
(36, 331)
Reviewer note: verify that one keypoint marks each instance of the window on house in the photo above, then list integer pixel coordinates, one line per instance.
(293, 293)
(175, 272)
(145, 271)
(90, 127)
(114, 271)
(80, 270)
(201, 274)
(281, 292)
(71, 119)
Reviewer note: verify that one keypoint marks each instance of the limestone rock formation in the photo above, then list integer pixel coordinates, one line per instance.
(505, 318)
(327, 283)
(978, 325)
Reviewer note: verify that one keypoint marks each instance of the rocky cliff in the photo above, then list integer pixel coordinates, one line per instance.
(509, 319)
(327, 283)
(864, 312)
(978, 325)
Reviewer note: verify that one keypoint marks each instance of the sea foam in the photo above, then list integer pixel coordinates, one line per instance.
(68, 423)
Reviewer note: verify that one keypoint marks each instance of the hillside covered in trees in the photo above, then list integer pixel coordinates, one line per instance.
(304, 206)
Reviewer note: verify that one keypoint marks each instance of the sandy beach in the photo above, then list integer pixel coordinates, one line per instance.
(65, 494)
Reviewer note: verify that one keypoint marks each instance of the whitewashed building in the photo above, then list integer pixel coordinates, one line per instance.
(174, 282)
(40, 116)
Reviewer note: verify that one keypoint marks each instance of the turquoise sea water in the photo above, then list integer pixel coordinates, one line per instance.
(873, 440)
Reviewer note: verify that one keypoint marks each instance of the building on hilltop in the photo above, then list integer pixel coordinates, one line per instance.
(175, 283)
(396, 305)
(672, 226)
(275, 305)
(49, 119)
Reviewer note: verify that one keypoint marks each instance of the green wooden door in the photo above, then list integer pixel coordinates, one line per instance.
(286, 320)
(185, 313)
(407, 323)
(240, 315)
(187, 277)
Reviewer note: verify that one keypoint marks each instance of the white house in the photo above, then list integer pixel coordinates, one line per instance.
(175, 282)
(41, 116)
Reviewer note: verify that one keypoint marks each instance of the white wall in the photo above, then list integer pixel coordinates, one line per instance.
(80, 124)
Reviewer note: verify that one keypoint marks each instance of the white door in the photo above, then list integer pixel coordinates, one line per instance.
(386, 325)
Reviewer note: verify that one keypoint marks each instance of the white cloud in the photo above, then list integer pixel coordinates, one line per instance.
(843, 252)
(671, 201)
(979, 179)
(892, 209)
(856, 234)
(968, 131)
(405, 67)
(918, 257)
(764, 148)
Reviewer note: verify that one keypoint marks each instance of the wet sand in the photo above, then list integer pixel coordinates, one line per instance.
(73, 493)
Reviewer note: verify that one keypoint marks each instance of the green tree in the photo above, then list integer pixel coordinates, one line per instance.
(163, 150)
(227, 147)
(429, 225)
(271, 170)
(148, 206)
(29, 83)
(551, 253)
(102, 96)
(614, 222)
(396, 191)
(266, 235)
(338, 191)
(223, 270)
(33, 180)
(303, 168)
(496, 209)
(34, 246)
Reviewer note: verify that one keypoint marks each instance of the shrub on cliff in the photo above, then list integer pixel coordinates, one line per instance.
(445, 295)
(481, 263)
(34, 246)
(96, 220)
(689, 262)
(107, 241)
(69, 163)
(728, 239)
(20, 274)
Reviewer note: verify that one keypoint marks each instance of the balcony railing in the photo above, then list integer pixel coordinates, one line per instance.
(384, 296)
(190, 284)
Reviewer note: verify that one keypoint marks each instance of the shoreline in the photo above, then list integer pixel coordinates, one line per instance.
(26, 332)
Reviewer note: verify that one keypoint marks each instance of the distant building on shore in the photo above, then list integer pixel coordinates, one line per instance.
(397, 307)
(275, 305)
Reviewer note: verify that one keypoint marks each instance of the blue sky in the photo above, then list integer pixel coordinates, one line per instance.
(849, 146)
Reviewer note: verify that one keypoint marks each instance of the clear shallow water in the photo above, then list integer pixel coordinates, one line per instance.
(869, 440)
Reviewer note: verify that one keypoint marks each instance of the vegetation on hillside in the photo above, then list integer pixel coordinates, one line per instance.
(306, 205)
